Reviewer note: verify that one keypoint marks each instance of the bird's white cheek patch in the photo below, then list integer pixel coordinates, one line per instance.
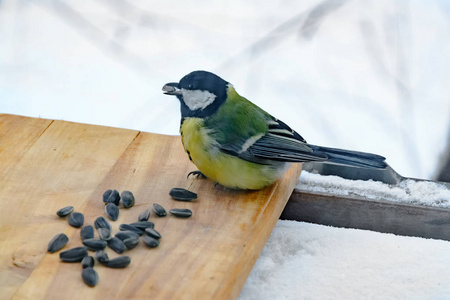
(197, 99)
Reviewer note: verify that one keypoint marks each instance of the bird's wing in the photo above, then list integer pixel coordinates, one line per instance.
(279, 143)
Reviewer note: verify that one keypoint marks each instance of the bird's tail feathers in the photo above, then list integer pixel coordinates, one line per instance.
(353, 158)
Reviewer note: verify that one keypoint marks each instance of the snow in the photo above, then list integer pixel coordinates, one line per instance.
(408, 191)
(308, 261)
(364, 75)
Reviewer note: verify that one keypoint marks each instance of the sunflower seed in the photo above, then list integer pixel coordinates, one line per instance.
(181, 212)
(128, 227)
(127, 199)
(101, 256)
(57, 242)
(74, 255)
(143, 224)
(117, 245)
(144, 215)
(76, 219)
(181, 194)
(118, 262)
(100, 222)
(123, 235)
(159, 210)
(87, 262)
(153, 233)
(112, 211)
(111, 196)
(90, 276)
(104, 233)
(87, 232)
(64, 211)
(150, 242)
(94, 244)
(131, 242)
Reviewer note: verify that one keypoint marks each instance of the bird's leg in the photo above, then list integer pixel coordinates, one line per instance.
(197, 174)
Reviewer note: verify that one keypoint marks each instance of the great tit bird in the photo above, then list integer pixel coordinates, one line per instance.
(239, 145)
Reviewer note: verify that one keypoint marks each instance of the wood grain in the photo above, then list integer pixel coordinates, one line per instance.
(15, 143)
(207, 256)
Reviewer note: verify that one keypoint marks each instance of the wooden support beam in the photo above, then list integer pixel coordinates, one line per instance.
(360, 213)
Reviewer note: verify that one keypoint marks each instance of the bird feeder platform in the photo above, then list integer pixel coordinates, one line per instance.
(46, 165)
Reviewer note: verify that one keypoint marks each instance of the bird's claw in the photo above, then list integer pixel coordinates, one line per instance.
(197, 174)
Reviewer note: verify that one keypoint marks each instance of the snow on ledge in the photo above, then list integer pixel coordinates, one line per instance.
(408, 191)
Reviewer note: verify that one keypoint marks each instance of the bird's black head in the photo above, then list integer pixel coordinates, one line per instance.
(200, 93)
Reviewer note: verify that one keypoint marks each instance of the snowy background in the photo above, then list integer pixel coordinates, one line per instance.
(363, 75)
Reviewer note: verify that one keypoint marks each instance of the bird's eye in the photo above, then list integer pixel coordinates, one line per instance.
(191, 86)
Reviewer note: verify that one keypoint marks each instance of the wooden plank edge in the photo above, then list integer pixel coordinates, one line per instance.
(376, 215)
(278, 199)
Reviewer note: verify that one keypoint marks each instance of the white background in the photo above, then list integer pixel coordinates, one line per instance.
(363, 75)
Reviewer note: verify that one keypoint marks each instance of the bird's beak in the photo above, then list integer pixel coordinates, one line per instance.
(171, 88)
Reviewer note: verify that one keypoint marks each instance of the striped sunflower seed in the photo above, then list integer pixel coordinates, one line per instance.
(104, 233)
(111, 196)
(153, 233)
(131, 242)
(128, 227)
(101, 222)
(101, 256)
(118, 262)
(65, 211)
(94, 244)
(117, 245)
(87, 262)
(74, 255)
(57, 242)
(127, 199)
(76, 219)
(159, 210)
(181, 194)
(143, 224)
(90, 276)
(143, 216)
(87, 232)
(181, 212)
(112, 211)
(150, 242)
(126, 234)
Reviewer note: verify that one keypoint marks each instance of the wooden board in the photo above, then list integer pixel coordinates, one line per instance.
(46, 165)
(351, 211)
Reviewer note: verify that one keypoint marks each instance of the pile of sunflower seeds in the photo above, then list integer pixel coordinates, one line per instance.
(126, 239)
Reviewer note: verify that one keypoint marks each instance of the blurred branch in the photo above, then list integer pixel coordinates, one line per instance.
(309, 21)
(148, 19)
(317, 15)
(96, 36)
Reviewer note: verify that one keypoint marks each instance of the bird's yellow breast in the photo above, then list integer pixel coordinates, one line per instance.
(229, 171)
